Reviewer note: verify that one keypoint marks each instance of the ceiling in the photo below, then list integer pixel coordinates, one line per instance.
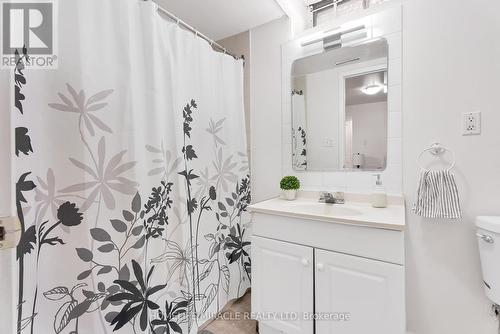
(219, 19)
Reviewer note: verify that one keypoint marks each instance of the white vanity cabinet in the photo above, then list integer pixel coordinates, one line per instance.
(320, 277)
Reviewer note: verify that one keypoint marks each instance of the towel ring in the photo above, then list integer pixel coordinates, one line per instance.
(437, 150)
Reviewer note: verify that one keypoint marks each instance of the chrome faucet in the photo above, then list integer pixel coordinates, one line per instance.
(335, 198)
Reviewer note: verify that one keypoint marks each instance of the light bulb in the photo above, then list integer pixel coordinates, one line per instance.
(372, 89)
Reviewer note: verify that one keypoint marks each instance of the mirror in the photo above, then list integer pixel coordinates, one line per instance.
(339, 109)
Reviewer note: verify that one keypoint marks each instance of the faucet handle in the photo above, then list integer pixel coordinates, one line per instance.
(339, 197)
(326, 197)
(325, 194)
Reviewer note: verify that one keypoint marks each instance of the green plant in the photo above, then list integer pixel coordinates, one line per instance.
(290, 183)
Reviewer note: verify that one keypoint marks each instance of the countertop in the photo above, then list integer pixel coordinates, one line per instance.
(356, 211)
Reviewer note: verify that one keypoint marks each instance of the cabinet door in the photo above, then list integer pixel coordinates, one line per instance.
(282, 285)
(357, 295)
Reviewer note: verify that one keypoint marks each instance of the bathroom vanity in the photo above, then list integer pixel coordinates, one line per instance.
(336, 269)
(328, 268)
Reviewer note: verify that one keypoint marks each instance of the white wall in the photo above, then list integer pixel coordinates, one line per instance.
(451, 65)
(265, 106)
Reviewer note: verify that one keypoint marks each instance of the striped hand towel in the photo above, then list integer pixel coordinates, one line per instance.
(437, 195)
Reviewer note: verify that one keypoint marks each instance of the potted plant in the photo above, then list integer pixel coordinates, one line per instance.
(289, 185)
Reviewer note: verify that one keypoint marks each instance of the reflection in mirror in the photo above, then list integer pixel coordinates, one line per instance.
(299, 116)
(366, 121)
(339, 109)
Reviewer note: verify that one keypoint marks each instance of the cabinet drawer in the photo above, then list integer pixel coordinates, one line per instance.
(374, 243)
(282, 285)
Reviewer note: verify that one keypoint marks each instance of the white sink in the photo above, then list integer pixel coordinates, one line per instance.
(324, 209)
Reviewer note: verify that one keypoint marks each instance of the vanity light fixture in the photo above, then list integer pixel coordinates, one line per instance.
(353, 37)
(319, 36)
(336, 36)
(372, 89)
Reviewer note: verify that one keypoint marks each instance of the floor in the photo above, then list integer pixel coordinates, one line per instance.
(233, 319)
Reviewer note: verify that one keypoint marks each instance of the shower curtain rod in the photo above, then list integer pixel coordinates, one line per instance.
(196, 32)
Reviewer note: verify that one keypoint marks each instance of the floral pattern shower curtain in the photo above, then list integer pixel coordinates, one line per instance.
(132, 176)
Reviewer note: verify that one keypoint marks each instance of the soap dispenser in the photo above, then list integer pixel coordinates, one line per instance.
(379, 196)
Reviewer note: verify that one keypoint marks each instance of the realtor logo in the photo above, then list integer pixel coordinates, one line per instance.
(28, 24)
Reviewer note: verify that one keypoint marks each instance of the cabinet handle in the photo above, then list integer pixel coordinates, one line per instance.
(305, 262)
(320, 266)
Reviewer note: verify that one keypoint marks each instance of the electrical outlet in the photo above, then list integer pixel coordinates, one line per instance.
(471, 124)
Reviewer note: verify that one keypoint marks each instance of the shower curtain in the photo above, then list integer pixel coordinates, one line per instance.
(131, 176)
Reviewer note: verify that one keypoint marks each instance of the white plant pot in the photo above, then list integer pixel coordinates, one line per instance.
(289, 194)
